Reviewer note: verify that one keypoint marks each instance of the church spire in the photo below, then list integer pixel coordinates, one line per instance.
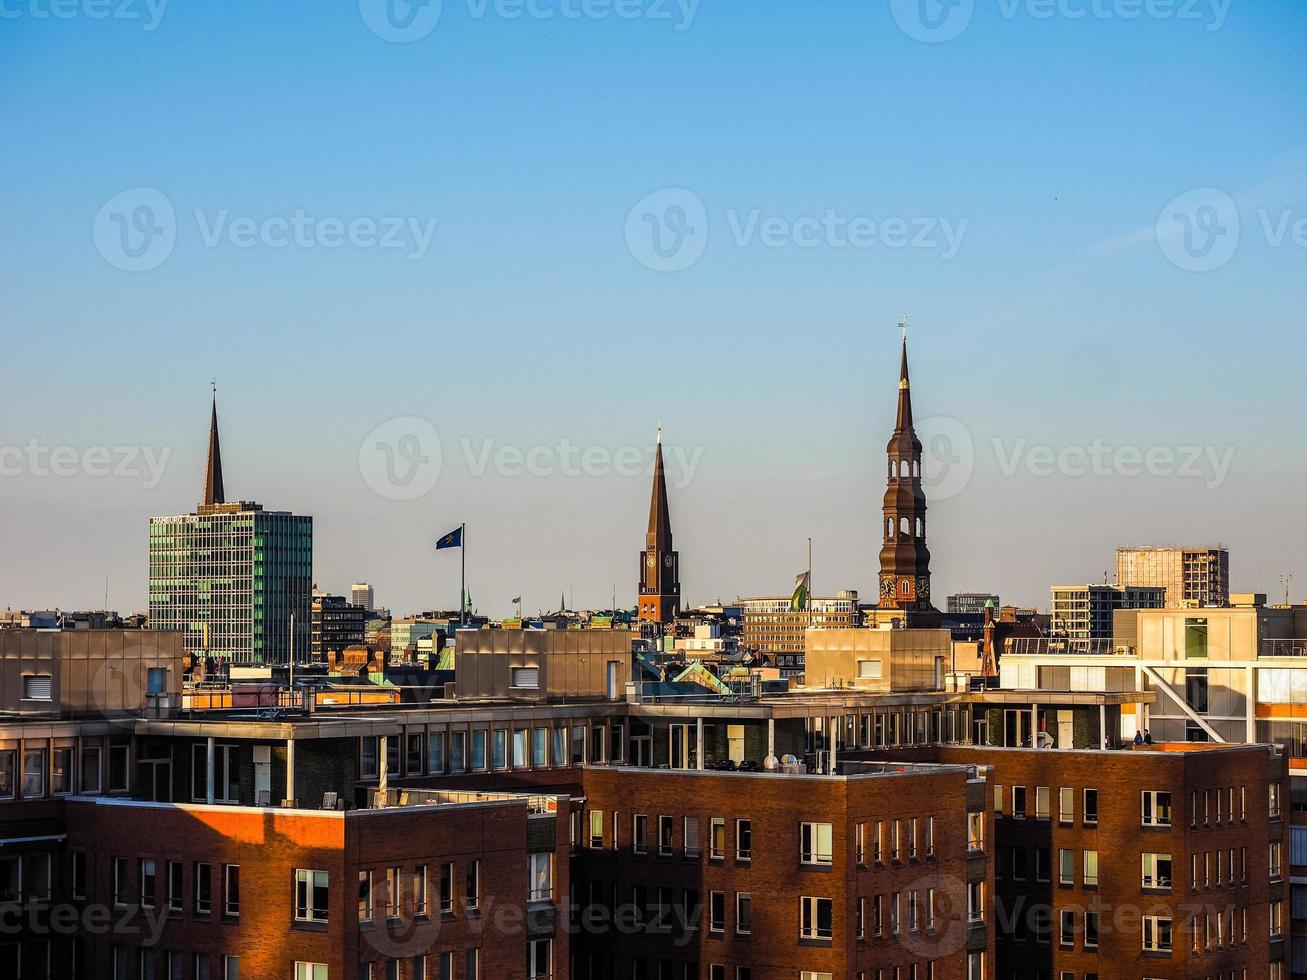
(660, 587)
(213, 492)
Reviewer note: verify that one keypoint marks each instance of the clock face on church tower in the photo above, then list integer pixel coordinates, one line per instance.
(651, 560)
(887, 588)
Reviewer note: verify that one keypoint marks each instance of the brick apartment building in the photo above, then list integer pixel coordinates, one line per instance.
(144, 837)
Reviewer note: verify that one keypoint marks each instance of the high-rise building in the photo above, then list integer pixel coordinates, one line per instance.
(904, 557)
(660, 584)
(232, 577)
(1084, 612)
(1192, 577)
(361, 594)
(970, 603)
(337, 623)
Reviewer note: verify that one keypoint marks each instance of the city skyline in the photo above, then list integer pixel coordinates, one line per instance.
(1052, 310)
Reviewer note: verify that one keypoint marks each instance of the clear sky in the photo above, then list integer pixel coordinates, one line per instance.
(1094, 213)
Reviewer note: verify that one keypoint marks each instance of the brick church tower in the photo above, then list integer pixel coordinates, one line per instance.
(660, 585)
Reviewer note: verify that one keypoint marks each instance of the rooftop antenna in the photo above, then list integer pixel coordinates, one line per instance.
(1287, 582)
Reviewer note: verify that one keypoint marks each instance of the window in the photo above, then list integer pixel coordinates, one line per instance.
(817, 915)
(472, 891)
(446, 888)
(479, 750)
(203, 889)
(976, 901)
(458, 751)
(691, 836)
(743, 840)
(79, 874)
(413, 761)
(310, 895)
(639, 833)
(1041, 802)
(119, 881)
(473, 960)
(436, 753)
(596, 829)
(420, 890)
(1067, 927)
(1195, 639)
(310, 971)
(394, 891)
(743, 913)
(231, 966)
(499, 749)
(174, 871)
(1091, 869)
(541, 882)
(665, 836)
(36, 687)
(1156, 809)
(1019, 802)
(540, 959)
(540, 748)
(147, 879)
(90, 782)
(231, 889)
(527, 678)
(521, 742)
(1156, 871)
(365, 896)
(975, 831)
(1091, 806)
(1091, 933)
(34, 773)
(1066, 866)
(815, 843)
(1066, 805)
(716, 911)
(717, 838)
(1156, 934)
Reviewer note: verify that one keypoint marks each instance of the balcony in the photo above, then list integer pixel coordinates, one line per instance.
(1283, 648)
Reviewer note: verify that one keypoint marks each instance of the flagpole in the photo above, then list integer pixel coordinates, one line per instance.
(809, 581)
(462, 590)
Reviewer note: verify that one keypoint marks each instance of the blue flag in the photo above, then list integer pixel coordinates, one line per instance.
(454, 539)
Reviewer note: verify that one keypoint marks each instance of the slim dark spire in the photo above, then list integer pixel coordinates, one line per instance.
(213, 492)
(904, 420)
(659, 537)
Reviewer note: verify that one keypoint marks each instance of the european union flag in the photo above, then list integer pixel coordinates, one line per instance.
(454, 539)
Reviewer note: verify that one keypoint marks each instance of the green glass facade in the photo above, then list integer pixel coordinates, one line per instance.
(230, 578)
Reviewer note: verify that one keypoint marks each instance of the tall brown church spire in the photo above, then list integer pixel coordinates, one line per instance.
(213, 492)
(660, 587)
(904, 557)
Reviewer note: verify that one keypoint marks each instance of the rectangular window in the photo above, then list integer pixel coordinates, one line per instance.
(446, 888)
(743, 913)
(1091, 807)
(541, 877)
(414, 764)
(499, 753)
(1067, 927)
(743, 840)
(203, 888)
(472, 891)
(1091, 930)
(815, 843)
(640, 833)
(365, 896)
(231, 889)
(717, 838)
(79, 874)
(691, 836)
(1019, 802)
(539, 748)
(1066, 866)
(1066, 805)
(560, 746)
(521, 743)
(33, 773)
(394, 891)
(310, 895)
(817, 917)
(310, 971)
(36, 687)
(716, 911)
(119, 881)
(473, 960)
(665, 830)
(975, 831)
(1156, 809)
(1156, 934)
(540, 959)
(1091, 869)
(420, 890)
(458, 752)
(147, 878)
(527, 678)
(90, 781)
(479, 750)
(61, 771)
(1156, 871)
(1041, 802)
(596, 829)
(174, 871)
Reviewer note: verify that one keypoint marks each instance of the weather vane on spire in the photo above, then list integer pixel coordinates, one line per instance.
(903, 325)
(213, 383)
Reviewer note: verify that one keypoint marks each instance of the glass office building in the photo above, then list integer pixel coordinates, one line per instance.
(230, 577)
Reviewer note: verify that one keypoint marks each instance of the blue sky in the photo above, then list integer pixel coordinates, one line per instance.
(519, 311)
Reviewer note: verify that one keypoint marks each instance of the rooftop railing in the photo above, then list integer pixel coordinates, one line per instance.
(1040, 646)
(1283, 648)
